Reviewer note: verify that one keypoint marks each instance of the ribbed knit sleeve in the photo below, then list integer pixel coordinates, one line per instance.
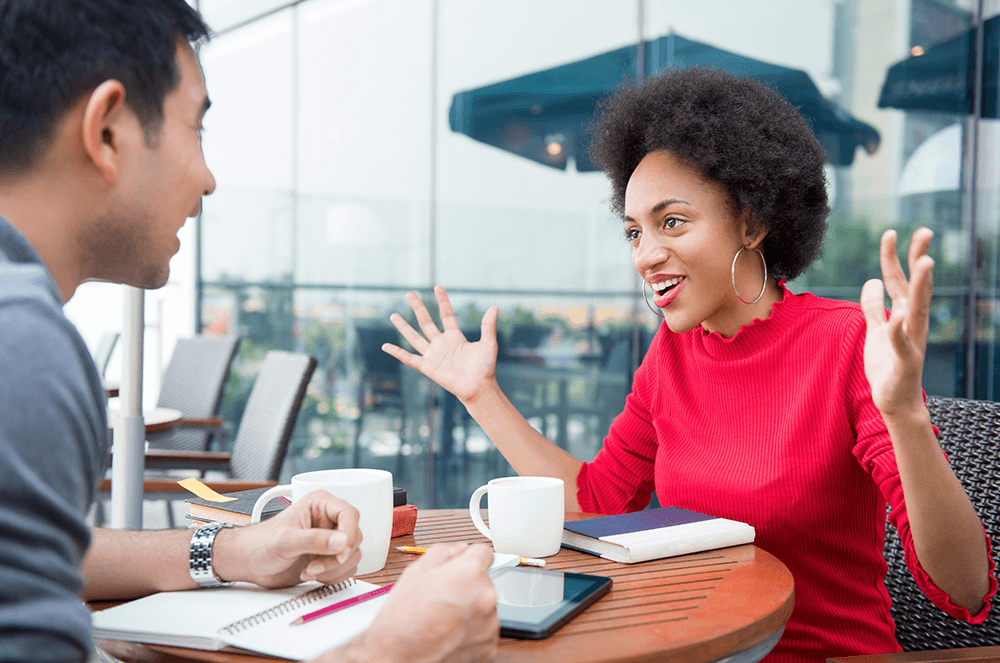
(874, 451)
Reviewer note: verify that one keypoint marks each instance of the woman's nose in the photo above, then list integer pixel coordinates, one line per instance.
(648, 254)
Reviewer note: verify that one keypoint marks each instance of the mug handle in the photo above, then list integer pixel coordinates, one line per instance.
(477, 517)
(269, 494)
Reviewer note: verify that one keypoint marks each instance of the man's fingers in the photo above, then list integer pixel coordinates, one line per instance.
(892, 270)
(480, 554)
(328, 511)
(331, 570)
(873, 303)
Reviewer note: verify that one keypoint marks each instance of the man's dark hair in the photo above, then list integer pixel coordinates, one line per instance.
(52, 52)
(736, 132)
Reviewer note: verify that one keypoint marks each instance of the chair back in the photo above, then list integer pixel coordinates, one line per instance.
(194, 383)
(970, 435)
(102, 354)
(269, 418)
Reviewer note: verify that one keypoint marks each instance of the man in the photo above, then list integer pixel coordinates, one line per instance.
(101, 103)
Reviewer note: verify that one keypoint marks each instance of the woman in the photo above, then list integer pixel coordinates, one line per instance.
(800, 416)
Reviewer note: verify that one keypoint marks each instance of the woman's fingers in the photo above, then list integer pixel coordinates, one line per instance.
(424, 318)
(892, 270)
(921, 289)
(416, 341)
(448, 321)
(408, 358)
(919, 243)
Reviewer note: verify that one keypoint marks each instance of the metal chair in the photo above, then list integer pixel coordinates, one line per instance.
(970, 435)
(261, 441)
(194, 383)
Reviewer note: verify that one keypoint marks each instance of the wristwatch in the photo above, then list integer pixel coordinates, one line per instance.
(201, 556)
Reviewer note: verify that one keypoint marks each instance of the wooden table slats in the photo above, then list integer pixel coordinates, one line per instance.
(702, 607)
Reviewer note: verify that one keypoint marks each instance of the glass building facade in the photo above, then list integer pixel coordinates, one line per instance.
(367, 148)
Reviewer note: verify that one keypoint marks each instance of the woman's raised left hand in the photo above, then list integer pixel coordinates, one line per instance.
(895, 348)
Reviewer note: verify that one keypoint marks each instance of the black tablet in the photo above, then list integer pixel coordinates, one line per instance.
(533, 603)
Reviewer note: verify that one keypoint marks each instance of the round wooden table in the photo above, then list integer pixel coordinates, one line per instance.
(723, 605)
(156, 419)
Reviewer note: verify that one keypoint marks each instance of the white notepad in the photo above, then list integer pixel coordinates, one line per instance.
(244, 616)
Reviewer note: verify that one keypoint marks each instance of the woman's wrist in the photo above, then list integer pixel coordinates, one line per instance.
(912, 417)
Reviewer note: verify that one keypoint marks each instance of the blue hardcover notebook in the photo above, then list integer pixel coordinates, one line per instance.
(654, 533)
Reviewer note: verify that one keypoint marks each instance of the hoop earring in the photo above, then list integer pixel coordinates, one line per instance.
(732, 272)
(648, 305)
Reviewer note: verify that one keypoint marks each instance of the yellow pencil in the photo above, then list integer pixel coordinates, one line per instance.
(522, 561)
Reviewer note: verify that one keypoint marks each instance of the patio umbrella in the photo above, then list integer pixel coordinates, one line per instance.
(943, 78)
(544, 116)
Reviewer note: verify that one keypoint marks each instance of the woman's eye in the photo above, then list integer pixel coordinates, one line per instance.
(672, 223)
(632, 234)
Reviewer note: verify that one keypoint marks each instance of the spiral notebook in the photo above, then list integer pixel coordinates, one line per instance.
(243, 616)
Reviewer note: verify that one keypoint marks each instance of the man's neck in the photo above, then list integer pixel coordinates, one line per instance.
(35, 207)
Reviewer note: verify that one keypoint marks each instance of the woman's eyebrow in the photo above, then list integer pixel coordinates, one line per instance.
(660, 206)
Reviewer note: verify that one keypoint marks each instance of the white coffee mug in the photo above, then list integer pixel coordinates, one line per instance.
(368, 491)
(526, 515)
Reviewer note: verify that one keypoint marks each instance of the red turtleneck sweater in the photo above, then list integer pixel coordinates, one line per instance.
(775, 427)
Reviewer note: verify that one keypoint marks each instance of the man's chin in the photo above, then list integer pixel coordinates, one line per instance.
(149, 281)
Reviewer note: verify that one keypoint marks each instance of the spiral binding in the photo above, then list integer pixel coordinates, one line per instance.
(286, 607)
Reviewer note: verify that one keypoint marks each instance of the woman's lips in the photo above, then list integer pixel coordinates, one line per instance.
(669, 295)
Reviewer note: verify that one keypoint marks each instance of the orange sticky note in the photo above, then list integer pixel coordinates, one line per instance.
(203, 491)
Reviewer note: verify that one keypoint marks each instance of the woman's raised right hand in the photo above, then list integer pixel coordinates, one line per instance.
(445, 355)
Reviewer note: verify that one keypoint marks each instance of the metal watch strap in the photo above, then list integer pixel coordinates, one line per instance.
(201, 556)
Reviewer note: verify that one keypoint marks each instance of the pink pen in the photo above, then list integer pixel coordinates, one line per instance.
(347, 603)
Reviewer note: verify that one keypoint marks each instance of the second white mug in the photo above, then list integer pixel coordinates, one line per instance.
(368, 491)
(526, 515)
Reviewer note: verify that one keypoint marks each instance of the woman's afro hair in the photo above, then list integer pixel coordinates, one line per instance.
(736, 132)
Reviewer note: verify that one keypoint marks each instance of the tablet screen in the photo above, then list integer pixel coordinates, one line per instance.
(533, 603)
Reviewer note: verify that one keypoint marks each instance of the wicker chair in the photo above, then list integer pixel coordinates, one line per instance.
(194, 383)
(261, 441)
(970, 435)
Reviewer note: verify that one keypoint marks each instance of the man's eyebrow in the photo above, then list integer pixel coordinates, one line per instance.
(660, 206)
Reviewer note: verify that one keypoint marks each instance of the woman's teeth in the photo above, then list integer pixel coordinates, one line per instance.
(663, 286)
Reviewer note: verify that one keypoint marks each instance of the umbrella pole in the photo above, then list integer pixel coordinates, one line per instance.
(128, 458)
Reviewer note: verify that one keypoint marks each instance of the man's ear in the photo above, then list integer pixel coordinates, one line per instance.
(101, 143)
(753, 232)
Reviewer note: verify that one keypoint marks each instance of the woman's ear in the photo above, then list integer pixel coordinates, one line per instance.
(101, 142)
(754, 231)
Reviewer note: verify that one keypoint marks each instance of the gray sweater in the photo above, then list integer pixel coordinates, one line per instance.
(53, 451)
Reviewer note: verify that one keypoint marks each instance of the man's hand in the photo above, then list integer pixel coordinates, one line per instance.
(443, 608)
(316, 538)
(895, 348)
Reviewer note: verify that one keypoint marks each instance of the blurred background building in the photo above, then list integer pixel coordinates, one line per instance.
(366, 148)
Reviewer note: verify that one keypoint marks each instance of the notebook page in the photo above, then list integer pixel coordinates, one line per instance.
(188, 618)
(273, 634)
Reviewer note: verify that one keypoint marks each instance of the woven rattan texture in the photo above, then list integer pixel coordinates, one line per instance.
(193, 383)
(270, 414)
(970, 435)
